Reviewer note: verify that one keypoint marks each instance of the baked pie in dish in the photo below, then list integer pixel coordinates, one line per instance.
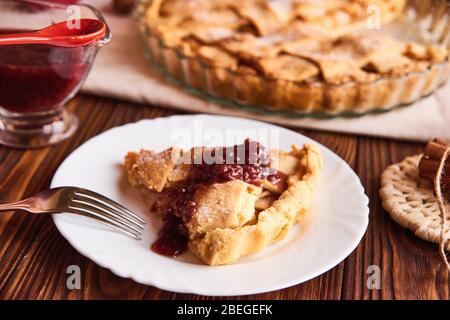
(225, 202)
(304, 56)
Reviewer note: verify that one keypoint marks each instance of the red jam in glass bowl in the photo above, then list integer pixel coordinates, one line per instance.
(39, 77)
(44, 59)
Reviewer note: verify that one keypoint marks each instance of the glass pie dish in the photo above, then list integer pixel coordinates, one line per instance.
(424, 22)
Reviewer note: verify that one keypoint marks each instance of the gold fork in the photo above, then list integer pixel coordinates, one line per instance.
(83, 202)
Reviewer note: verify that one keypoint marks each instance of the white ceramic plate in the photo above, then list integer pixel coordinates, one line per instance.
(327, 236)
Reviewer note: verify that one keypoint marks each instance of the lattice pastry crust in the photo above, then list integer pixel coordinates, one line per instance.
(305, 56)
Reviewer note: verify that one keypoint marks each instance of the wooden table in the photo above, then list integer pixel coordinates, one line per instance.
(34, 257)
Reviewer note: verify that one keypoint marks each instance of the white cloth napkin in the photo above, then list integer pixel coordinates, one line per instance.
(122, 71)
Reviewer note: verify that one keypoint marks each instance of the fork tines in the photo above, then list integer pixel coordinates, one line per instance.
(109, 212)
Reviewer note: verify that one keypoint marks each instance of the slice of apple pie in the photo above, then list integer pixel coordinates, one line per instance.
(226, 202)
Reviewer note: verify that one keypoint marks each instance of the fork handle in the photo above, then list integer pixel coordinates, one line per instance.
(20, 205)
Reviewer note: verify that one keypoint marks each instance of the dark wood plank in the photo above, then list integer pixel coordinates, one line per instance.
(34, 257)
